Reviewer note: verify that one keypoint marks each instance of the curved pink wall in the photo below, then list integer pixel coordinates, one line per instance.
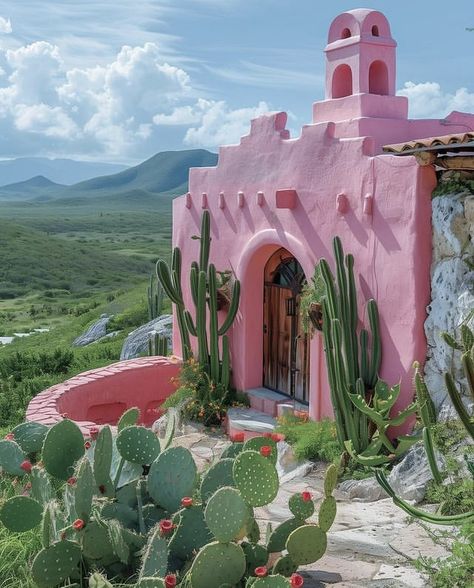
(380, 206)
(101, 396)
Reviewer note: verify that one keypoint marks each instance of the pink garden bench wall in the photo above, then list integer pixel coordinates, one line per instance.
(101, 396)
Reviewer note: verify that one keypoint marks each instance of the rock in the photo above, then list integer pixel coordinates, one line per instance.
(367, 490)
(410, 477)
(452, 288)
(110, 335)
(93, 333)
(136, 343)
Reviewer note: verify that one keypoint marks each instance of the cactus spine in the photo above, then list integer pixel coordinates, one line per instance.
(212, 341)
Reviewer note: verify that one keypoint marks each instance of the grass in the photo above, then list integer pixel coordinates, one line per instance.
(310, 439)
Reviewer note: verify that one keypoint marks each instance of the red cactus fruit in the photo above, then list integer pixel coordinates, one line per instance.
(72, 481)
(306, 496)
(261, 571)
(186, 502)
(78, 524)
(170, 581)
(265, 450)
(9, 437)
(296, 581)
(277, 437)
(238, 437)
(87, 444)
(166, 526)
(26, 466)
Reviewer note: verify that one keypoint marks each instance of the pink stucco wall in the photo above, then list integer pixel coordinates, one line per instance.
(339, 153)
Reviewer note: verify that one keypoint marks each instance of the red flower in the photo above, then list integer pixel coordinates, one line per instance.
(93, 432)
(166, 526)
(277, 437)
(26, 466)
(78, 524)
(9, 436)
(72, 481)
(265, 450)
(87, 444)
(238, 437)
(170, 581)
(296, 581)
(261, 572)
(186, 502)
(306, 496)
(268, 435)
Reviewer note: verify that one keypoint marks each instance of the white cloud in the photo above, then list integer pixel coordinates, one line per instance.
(221, 125)
(427, 100)
(117, 110)
(5, 25)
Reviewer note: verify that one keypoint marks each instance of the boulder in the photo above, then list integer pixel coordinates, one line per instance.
(96, 331)
(367, 490)
(136, 343)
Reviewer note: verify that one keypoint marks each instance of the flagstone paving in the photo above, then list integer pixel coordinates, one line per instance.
(370, 544)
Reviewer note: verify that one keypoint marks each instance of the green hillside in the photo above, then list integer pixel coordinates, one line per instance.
(32, 262)
(165, 172)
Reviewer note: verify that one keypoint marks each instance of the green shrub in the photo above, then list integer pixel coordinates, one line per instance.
(131, 318)
(311, 439)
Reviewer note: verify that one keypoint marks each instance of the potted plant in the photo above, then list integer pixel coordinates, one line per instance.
(310, 302)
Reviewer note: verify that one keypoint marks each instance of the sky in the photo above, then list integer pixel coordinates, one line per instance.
(120, 80)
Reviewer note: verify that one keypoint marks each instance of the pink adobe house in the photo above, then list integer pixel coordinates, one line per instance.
(276, 203)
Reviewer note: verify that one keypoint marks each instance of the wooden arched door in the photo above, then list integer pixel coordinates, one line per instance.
(286, 346)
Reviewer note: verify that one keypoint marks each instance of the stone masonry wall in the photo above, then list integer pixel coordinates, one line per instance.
(452, 289)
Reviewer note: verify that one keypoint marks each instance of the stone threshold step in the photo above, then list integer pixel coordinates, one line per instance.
(249, 421)
(272, 403)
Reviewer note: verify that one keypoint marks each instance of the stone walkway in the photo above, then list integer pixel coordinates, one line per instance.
(367, 543)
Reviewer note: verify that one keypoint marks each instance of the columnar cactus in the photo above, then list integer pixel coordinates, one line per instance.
(212, 341)
(134, 508)
(362, 402)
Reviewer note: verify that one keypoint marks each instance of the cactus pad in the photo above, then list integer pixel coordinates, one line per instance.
(172, 476)
(62, 447)
(301, 509)
(138, 445)
(155, 556)
(232, 451)
(255, 556)
(41, 488)
(150, 583)
(96, 543)
(129, 418)
(327, 513)
(191, 533)
(285, 566)
(226, 513)
(98, 581)
(152, 515)
(103, 460)
(306, 544)
(271, 582)
(278, 537)
(55, 564)
(256, 443)
(84, 490)
(256, 478)
(217, 476)
(11, 458)
(126, 515)
(30, 436)
(21, 513)
(330, 479)
(217, 564)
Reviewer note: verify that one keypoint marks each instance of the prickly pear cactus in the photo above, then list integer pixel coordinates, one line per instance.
(256, 478)
(62, 447)
(56, 564)
(11, 458)
(306, 544)
(233, 450)
(256, 444)
(191, 533)
(21, 513)
(172, 476)
(30, 436)
(130, 417)
(301, 505)
(226, 514)
(274, 581)
(279, 536)
(217, 476)
(155, 557)
(327, 513)
(138, 445)
(217, 564)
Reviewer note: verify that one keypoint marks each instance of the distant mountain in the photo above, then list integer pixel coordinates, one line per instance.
(61, 171)
(165, 173)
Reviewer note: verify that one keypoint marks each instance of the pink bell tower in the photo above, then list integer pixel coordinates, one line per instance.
(360, 72)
